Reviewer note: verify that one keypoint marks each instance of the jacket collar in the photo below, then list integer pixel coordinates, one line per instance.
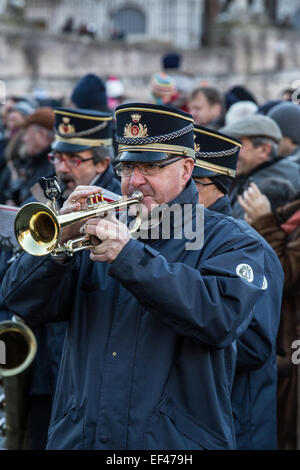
(105, 178)
(222, 205)
(285, 212)
(188, 196)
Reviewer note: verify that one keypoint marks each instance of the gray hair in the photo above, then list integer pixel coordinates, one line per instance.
(257, 141)
(100, 153)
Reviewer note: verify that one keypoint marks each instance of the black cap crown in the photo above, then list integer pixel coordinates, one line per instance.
(150, 132)
(80, 129)
(216, 153)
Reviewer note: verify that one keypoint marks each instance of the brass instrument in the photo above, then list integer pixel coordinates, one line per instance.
(17, 347)
(37, 226)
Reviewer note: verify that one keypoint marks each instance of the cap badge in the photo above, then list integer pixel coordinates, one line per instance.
(65, 127)
(135, 128)
(245, 271)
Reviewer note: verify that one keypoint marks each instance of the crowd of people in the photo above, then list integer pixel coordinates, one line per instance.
(143, 344)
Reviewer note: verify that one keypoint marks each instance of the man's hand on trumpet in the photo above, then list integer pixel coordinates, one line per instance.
(76, 202)
(108, 234)
(114, 235)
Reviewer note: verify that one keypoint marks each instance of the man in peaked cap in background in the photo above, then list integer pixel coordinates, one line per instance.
(255, 383)
(149, 357)
(258, 158)
(81, 154)
(82, 151)
(214, 171)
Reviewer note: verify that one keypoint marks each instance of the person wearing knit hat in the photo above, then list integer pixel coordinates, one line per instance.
(115, 92)
(163, 88)
(17, 115)
(238, 93)
(171, 61)
(266, 107)
(90, 93)
(287, 116)
(24, 107)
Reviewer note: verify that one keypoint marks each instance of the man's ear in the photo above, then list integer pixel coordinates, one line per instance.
(265, 151)
(103, 165)
(188, 167)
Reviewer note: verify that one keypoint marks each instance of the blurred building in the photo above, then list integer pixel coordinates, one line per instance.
(50, 44)
(181, 23)
(177, 22)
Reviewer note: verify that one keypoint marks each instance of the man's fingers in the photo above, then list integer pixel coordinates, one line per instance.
(255, 189)
(249, 194)
(242, 202)
(81, 193)
(246, 199)
(246, 206)
(102, 229)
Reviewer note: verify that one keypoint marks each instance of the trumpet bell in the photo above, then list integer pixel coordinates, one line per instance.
(36, 229)
(18, 347)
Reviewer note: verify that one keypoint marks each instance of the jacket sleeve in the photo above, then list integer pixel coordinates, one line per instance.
(288, 252)
(39, 289)
(208, 304)
(254, 347)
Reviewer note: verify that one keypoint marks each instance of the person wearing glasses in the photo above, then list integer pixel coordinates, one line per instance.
(149, 356)
(81, 154)
(254, 388)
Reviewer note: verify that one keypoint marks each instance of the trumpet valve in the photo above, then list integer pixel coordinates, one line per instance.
(94, 200)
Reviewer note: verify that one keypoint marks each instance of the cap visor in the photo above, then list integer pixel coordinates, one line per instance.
(142, 157)
(202, 173)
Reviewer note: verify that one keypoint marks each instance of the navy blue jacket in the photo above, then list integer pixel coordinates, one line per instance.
(255, 384)
(150, 355)
(50, 337)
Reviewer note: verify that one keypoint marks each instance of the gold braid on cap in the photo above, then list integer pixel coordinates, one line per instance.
(83, 133)
(154, 139)
(222, 153)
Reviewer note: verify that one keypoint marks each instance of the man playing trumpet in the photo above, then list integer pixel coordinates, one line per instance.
(149, 356)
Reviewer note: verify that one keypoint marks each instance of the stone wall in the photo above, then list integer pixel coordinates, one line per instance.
(264, 60)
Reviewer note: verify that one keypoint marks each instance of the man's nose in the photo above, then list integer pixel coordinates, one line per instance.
(137, 178)
(62, 166)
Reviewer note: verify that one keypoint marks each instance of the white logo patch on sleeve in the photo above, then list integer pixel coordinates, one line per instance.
(265, 284)
(245, 271)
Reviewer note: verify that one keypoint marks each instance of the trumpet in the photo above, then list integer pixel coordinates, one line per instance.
(17, 347)
(38, 227)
